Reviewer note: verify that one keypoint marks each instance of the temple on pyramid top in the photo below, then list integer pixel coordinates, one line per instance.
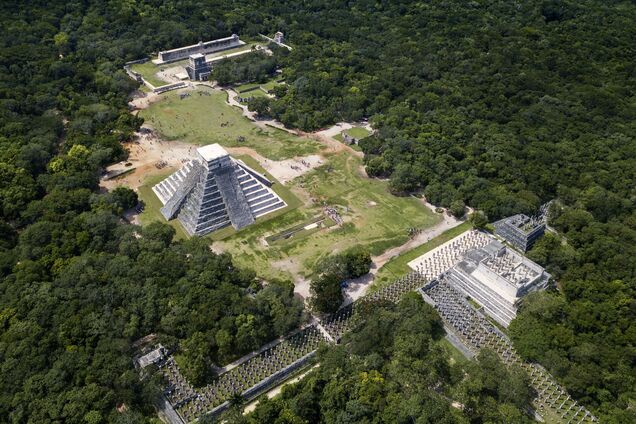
(215, 190)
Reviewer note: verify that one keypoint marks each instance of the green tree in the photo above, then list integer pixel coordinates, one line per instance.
(458, 208)
(479, 220)
(326, 294)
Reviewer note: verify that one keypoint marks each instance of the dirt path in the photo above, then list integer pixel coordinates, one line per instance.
(276, 390)
(426, 235)
(358, 287)
(326, 137)
(148, 155)
(150, 150)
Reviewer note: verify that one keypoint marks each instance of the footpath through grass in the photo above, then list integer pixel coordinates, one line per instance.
(372, 216)
(397, 267)
(205, 118)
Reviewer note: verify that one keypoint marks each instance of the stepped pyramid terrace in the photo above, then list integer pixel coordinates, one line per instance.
(495, 276)
(213, 191)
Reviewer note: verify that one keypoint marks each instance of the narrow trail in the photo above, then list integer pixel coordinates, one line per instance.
(426, 235)
(358, 287)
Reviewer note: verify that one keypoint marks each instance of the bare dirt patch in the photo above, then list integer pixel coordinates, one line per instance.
(142, 100)
(149, 156)
(283, 170)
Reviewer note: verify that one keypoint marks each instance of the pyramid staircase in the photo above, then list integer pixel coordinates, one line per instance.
(212, 192)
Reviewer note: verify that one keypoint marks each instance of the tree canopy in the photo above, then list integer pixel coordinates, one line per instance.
(493, 104)
(394, 369)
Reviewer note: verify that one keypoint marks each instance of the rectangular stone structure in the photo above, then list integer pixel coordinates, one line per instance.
(201, 47)
(520, 230)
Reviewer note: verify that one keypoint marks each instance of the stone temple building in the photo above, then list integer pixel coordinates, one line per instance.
(198, 68)
(214, 191)
(279, 38)
(522, 231)
(497, 277)
(202, 47)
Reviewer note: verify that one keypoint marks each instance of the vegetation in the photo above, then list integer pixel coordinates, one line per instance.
(363, 203)
(356, 132)
(398, 267)
(182, 119)
(258, 67)
(500, 105)
(394, 369)
(331, 272)
(148, 71)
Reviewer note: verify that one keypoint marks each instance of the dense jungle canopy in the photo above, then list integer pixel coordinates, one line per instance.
(498, 104)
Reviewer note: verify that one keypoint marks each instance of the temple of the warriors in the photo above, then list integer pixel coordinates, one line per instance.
(495, 276)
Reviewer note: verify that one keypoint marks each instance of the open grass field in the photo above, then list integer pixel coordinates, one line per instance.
(253, 93)
(270, 85)
(246, 88)
(204, 119)
(398, 266)
(149, 70)
(355, 132)
(358, 132)
(152, 204)
(373, 218)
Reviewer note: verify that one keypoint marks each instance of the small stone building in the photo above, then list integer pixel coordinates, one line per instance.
(520, 230)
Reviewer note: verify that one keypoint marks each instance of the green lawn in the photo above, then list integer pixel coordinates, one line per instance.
(456, 357)
(269, 85)
(246, 88)
(148, 71)
(358, 132)
(151, 212)
(374, 218)
(205, 119)
(397, 267)
(247, 46)
(253, 93)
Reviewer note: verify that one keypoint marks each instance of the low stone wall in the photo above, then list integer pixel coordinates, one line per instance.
(169, 87)
(136, 62)
(266, 384)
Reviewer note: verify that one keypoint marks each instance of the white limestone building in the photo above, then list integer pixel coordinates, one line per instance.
(492, 274)
(214, 191)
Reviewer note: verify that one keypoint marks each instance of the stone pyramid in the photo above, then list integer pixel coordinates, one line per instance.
(215, 190)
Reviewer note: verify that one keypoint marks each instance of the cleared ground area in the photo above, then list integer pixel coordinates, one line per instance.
(332, 204)
(204, 117)
(368, 214)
